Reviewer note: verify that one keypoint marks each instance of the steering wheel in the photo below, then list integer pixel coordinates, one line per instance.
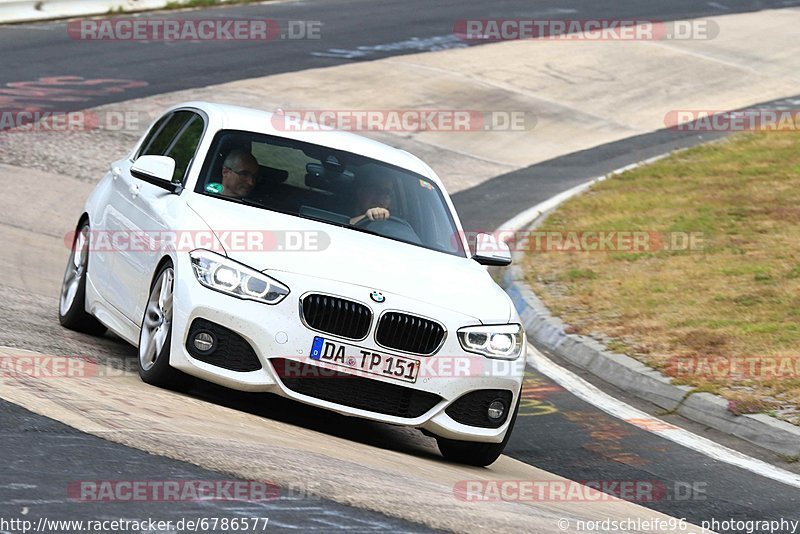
(391, 227)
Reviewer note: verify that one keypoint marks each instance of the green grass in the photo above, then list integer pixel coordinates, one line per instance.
(736, 295)
(186, 4)
(195, 3)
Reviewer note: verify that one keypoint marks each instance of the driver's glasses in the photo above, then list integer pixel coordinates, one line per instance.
(243, 174)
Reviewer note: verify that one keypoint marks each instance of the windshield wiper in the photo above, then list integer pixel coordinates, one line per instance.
(258, 204)
(343, 225)
(250, 202)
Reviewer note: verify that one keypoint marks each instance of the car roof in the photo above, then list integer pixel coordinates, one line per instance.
(229, 117)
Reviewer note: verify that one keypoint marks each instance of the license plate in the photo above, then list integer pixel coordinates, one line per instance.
(365, 360)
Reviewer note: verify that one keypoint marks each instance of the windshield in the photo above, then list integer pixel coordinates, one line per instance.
(331, 186)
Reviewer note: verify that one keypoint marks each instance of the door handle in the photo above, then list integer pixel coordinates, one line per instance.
(134, 190)
(116, 172)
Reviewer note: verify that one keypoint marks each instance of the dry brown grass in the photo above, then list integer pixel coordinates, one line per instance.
(737, 296)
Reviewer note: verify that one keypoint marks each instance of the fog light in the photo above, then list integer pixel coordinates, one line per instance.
(496, 410)
(203, 341)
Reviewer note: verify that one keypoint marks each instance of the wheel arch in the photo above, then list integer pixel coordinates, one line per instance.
(166, 259)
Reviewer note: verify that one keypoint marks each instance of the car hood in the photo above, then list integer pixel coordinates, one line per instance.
(326, 251)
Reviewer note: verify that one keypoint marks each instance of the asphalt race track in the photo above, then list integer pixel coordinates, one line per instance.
(32, 51)
(556, 432)
(49, 455)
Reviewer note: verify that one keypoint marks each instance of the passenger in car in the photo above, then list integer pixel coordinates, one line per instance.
(239, 173)
(373, 199)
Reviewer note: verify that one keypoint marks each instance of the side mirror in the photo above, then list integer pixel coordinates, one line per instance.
(156, 170)
(491, 251)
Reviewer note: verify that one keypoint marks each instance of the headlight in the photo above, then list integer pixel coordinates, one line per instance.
(500, 341)
(227, 276)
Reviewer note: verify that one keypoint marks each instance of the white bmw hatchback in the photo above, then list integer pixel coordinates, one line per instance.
(317, 265)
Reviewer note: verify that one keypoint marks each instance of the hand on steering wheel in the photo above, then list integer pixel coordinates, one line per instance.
(371, 215)
(377, 214)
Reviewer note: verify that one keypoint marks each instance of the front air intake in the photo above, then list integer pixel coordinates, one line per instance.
(337, 316)
(409, 333)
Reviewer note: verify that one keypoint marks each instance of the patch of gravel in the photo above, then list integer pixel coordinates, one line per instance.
(87, 154)
(72, 154)
(82, 154)
(30, 322)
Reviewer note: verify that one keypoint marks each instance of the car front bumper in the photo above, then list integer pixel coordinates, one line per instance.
(277, 332)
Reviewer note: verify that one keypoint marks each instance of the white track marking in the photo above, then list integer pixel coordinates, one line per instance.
(589, 393)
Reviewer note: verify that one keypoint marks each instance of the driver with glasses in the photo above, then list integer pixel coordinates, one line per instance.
(239, 173)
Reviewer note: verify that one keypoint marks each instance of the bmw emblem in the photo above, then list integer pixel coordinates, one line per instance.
(377, 296)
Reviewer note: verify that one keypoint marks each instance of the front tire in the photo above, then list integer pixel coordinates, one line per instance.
(72, 302)
(155, 336)
(476, 453)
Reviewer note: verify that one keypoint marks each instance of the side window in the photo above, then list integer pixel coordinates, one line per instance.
(152, 133)
(184, 147)
(281, 157)
(164, 136)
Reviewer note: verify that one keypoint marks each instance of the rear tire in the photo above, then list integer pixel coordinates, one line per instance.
(476, 453)
(72, 302)
(155, 336)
